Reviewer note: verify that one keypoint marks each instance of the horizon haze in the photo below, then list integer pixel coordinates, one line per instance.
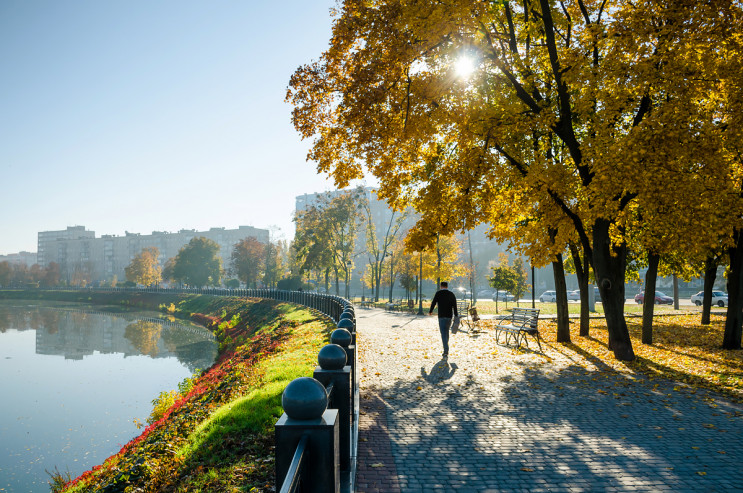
(146, 117)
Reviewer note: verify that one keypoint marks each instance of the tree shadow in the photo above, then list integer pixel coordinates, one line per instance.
(576, 428)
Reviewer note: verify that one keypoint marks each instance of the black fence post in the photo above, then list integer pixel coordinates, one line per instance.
(306, 415)
(333, 370)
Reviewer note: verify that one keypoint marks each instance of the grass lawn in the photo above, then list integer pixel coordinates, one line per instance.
(682, 350)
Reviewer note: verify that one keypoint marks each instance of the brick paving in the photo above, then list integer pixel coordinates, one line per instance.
(491, 418)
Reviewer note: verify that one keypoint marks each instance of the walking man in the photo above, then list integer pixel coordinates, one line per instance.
(447, 306)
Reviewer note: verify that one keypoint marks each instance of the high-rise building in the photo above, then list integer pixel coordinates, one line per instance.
(81, 255)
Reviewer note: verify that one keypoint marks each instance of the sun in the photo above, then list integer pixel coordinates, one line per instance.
(464, 66)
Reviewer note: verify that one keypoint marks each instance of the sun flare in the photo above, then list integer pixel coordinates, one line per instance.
(464, 66)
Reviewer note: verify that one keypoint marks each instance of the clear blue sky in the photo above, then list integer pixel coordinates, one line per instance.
(152, 115)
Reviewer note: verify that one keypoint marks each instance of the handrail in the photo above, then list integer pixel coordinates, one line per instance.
(330, 305)
(293, 475)
(329, 390)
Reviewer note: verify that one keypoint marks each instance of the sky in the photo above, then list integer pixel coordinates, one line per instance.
(146, 116)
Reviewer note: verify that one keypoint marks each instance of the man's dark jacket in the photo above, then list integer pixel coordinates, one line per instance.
(447, 303)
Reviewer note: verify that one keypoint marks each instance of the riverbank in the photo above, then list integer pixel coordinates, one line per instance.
(219, 435)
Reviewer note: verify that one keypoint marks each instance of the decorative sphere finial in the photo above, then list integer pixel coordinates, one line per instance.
(304, 398)
(342, 337)
(331, 357)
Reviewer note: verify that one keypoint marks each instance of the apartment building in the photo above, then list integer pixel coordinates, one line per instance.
(80, 254)
(21, 258)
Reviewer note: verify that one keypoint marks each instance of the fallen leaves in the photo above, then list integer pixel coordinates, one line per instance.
(683, 350)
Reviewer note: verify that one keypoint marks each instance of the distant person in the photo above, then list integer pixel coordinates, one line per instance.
(447, 306)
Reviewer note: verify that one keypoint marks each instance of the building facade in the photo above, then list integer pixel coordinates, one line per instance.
(81, 255)
(21, 258)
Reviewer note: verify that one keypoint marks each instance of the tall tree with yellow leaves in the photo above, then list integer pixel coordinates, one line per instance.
(568, 116)
(145, 267)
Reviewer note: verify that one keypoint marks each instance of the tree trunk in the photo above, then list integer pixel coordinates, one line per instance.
(561, 291)
(581, 272)
(710, 274)
(648, 304)
(675, 292)
(392, 277)
(733, 328)
(377, 280)
(609, 264)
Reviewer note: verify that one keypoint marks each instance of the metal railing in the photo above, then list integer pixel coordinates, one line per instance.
(330, 305)
(320, 420)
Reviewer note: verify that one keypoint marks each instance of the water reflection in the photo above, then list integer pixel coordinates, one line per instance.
(75, 333)
(75, 379)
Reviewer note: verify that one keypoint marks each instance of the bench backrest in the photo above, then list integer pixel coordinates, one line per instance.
(462, 308)
(526, 316)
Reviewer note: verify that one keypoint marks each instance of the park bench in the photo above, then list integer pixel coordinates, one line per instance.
(521, 322)
(395, 305)
(463, 307)
(366, 304)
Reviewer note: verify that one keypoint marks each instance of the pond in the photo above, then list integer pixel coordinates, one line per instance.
(74, 378)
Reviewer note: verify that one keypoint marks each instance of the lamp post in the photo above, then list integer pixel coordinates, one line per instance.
(533, 292)
(349, 264)
(420, 284)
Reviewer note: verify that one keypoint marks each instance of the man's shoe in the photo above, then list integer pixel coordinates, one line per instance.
(445, 355)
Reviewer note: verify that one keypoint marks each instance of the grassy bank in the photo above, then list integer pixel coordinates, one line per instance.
(217, 434)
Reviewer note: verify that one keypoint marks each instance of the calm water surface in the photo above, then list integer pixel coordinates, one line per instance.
(74, 378)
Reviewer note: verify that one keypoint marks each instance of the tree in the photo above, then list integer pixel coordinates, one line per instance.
(198, 263)
(503, 278)
(145, 267)
(249, 261)
(380, 238)
(276, 262)
(577, 116)
(51, 276)
(168, 270)
(521, 286)
(327, 231)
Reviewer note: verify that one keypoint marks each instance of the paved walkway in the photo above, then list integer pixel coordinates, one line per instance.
(491, 418)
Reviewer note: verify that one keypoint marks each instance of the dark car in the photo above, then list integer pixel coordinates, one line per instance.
(660, 298)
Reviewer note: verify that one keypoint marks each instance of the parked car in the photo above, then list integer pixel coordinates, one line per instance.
(660, 298)
(718, 298)
(548, 296)
(503, 296)
(574, 295)
(485, 293)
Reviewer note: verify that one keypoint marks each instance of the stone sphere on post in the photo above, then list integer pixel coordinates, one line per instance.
(331, 357)
(345, 323)
(342, 337)
(346, 315)
(304, 398)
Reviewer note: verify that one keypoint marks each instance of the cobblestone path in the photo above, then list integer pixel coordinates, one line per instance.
(491, 418)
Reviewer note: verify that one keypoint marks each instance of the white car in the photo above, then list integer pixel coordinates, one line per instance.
(574, 295)
(550, 296)
(718, 298)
